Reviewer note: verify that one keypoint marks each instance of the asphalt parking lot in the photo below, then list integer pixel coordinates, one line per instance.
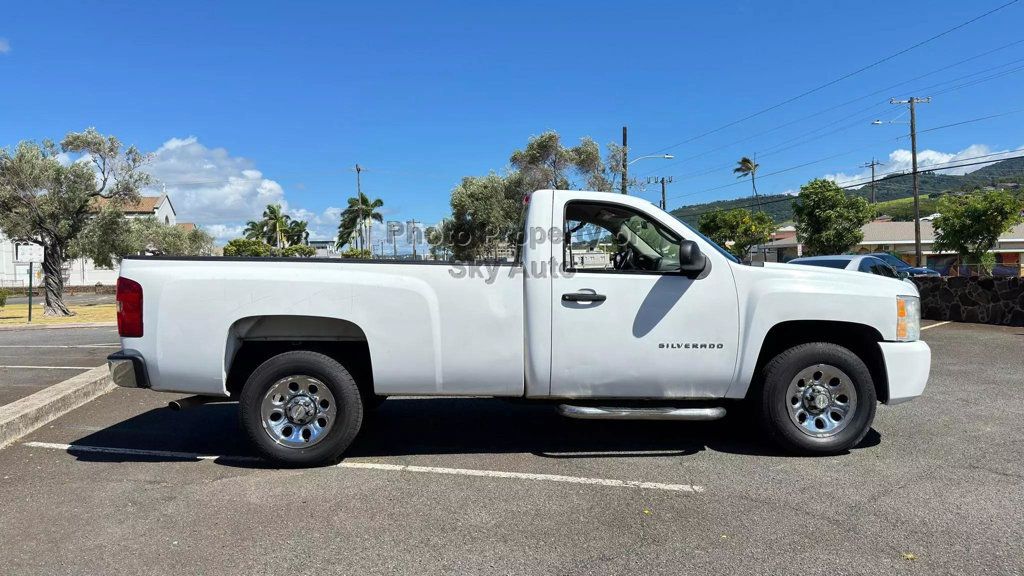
(31, 360)
(482, 487)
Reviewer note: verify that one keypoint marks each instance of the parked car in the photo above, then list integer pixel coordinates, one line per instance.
(902, 266)
(671, 327)
(857, 263)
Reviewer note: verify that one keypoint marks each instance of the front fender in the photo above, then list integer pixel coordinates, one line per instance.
(776, 296)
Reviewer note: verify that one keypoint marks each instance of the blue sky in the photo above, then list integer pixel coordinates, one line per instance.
(250, 102)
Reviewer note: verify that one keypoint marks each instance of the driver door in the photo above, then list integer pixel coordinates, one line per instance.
(625, 322)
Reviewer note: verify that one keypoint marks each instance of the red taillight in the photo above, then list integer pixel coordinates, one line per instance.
(129, 308)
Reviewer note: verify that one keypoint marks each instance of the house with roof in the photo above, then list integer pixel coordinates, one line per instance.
(898, 238)
(16, 256)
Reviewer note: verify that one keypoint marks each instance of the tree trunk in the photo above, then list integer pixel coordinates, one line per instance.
(53, 281)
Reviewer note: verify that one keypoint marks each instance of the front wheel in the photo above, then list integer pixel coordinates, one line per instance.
(817, 398)
(301, 408)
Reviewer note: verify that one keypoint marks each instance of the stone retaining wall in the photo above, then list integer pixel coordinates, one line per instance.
(983, 299)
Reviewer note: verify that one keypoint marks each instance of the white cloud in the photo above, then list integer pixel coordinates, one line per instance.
(901, 160)
(5, 46)
(209, 185)
(221, 192)
(222, 232)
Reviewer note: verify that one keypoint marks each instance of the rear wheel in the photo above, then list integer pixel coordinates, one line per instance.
(301, 408)
(818, 398)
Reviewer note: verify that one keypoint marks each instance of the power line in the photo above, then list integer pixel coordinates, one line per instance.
(830, 157)
(980, 80)
(875, 105)
(837, 80)
(788, 169)
(934, 168)
(944, 126)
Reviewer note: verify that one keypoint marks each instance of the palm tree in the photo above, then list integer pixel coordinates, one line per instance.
(297, 232)
(747, 167)
(255, 230)
(358, 218)
(371, 215)
(276, 225)
(347, 229)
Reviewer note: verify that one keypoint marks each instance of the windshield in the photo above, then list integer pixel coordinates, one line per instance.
(893, 261)
(732, 257)
(823, 263)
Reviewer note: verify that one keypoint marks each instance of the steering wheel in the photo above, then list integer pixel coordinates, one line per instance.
(624, 259)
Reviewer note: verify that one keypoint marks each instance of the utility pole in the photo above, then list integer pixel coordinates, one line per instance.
(412, 235)
(663, 181)
(359, 184)
(872, 165)
(913, 158)
(393, 228)
(625, 163)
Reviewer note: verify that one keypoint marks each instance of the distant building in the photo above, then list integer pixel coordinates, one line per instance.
(325, 248)
(15, 257)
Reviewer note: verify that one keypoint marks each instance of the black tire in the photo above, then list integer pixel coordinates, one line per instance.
(347, 401)
(774, 407)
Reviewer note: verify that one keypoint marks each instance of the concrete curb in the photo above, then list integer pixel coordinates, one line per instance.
(54, 326)
(23, 416)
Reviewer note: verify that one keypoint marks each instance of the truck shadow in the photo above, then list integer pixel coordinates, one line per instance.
(406, 427)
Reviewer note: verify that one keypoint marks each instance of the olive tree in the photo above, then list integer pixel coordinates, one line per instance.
(48, 200)
(110, 236)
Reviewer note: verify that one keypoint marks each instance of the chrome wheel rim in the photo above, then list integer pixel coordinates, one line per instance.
(821, 400)
(298, 411)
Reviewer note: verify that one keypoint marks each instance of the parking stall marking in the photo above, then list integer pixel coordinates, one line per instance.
(524, 476)
(60, 345)
(688, 488)
(936, 325)
(50, 367)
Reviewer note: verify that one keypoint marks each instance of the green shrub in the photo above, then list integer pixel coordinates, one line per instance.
(247, 247)
(4, 293)
(298, 250)
(357, 253)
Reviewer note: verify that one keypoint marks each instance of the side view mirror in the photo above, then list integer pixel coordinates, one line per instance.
(903, 274)
(691, 260)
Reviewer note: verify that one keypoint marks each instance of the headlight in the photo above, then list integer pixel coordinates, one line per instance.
(908, 318)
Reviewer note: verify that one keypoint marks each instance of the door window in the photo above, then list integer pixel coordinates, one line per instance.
(608, 237)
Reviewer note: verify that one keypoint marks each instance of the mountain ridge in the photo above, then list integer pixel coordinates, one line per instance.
(897, 186)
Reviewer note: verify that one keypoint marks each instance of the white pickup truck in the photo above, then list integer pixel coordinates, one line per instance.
(614, 309)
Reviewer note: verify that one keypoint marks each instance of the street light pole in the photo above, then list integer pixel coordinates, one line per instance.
(912, 102)
(917, 179)
(917, 184)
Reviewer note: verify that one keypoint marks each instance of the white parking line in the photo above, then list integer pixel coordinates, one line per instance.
(935, 325)
(60, 345)
(72, 448)
(525, 476)
(385, 467)
(49, 367)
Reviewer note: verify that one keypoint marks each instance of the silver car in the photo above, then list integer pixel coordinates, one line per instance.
(857, 263)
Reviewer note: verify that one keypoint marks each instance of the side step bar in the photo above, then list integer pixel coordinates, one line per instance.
(616, 413)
